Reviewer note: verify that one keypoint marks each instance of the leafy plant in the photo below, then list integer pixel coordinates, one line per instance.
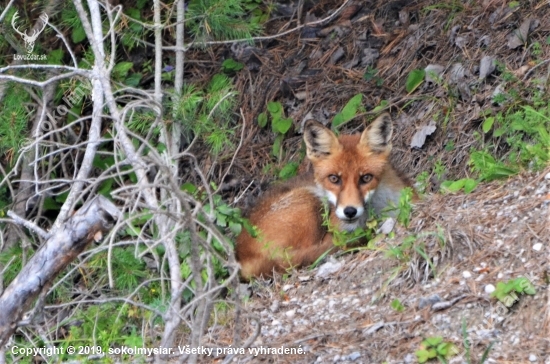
(414, 79)
(279, 125)
(371, 74)
(231, 66)
(434, 347)
(507, 292)
(349, 111)
(422, 181)
(397, 305)
(488, 167)
(405, 206)
(259, 13)
(468, 184)
(288, 171)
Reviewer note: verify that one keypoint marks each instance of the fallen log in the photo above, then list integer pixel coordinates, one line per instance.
(89, 223)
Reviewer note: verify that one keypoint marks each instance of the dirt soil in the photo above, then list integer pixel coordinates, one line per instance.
(342, 311)
(497, 233)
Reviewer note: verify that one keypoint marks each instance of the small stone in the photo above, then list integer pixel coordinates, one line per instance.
(489, 288)
(329, 268)
(304, 278)
(428, 301)
(290, 313)
(532, 358)
(286, 287)
(466, 274)
(537, 247)
(387, 226)
(547, 176)
(356, 355)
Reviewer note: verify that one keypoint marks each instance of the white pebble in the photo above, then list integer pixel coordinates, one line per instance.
(466, 274)
(532, 358)
(537, 247)
(286, 287)
(290, 313)
(547, 176)
(489, 288)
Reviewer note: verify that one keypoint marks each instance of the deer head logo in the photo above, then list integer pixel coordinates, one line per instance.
(30, 39)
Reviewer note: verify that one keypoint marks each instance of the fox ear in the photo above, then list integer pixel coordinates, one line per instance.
(320, 141)
(378, 135)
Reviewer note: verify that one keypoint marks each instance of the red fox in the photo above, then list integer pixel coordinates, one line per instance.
(352, 173)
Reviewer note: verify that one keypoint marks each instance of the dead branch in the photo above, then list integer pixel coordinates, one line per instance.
(88, 224)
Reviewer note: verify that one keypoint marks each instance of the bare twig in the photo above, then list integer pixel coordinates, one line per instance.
(28, 224)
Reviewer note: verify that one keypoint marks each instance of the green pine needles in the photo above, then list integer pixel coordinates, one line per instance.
(219, 19)
(207, 113)
(13, 120)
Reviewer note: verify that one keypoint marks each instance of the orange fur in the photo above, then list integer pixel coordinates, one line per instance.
(352, 172)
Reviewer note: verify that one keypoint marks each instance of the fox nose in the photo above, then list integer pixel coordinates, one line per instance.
(350, 212)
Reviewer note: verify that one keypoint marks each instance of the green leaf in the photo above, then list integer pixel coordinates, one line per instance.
(349, 111)
(380, 107)
(499, 132)
(55, 56)
(50, 204)
(221, 220)
(422, 355)
(262, 120)
(281, 125)
(188, 187)
(78, 34)
(525, 286)
(61, 198)
(133, 80)
(106, 187)
(470, 185)
(230, 65)
(121, 69)
(487, 124)
(453, 186)
(432, 341)
(275, 109)
(224, 209)
(235, 228)
(289, 170)
(415, 79)
(131, 230)
(397, 305)
(277, 145)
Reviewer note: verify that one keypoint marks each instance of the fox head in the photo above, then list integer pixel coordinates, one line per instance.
(348, 168)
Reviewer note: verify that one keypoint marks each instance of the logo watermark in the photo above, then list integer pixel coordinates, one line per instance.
(29, 39)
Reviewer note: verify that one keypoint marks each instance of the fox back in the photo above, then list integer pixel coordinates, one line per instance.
(353, 173)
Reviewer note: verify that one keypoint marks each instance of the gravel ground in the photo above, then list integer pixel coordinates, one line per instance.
(341, 311)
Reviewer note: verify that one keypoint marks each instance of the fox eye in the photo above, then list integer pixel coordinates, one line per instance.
(334, 179)
(366, 178)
